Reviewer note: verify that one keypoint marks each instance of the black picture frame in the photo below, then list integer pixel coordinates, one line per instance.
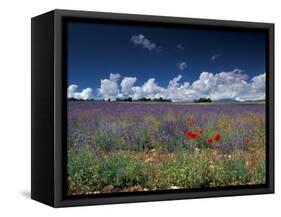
(49, 99)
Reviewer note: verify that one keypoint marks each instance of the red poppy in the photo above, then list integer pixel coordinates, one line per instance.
(188, 134)
(210, 140)
(191, 135)
(194, 136)
(200, 132)
(217, 137)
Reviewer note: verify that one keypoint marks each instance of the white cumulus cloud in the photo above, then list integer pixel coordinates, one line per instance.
(126, 85)
(109, 88)
(224, 85)
(141, 40)
(150, 89)
(85, 94)
(230, 85)
(177, 91)
(255, 91)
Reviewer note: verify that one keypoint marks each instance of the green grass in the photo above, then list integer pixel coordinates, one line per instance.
(122, 170)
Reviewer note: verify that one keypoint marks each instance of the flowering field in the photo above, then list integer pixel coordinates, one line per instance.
(122, 147)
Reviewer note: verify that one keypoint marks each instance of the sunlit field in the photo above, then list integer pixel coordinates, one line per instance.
(137, 146)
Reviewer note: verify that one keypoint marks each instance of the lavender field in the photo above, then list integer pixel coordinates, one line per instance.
(134, 146)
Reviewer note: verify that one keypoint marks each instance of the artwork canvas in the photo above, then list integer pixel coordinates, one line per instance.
(153, 108)
(134, 108)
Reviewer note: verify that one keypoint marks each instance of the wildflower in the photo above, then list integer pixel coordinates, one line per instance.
(200, 132)
(191, 135)
(210, 140)
(194, 136)
(217, 137)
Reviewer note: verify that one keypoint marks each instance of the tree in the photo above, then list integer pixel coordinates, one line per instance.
(202, 100)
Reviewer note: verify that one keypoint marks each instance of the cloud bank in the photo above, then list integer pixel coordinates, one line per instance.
(217, 86)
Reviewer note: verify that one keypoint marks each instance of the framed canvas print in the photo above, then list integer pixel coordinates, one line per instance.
(133, 108)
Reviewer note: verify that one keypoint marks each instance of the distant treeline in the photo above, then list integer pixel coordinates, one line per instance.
(144, 99)
(74, 99)
(202, 100)
(129, 99)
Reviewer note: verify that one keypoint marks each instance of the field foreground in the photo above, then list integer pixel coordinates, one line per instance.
(121, 147)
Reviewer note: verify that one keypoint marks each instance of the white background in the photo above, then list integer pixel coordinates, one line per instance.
(15, 106)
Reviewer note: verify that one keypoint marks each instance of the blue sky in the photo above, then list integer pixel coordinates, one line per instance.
(143, 52)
